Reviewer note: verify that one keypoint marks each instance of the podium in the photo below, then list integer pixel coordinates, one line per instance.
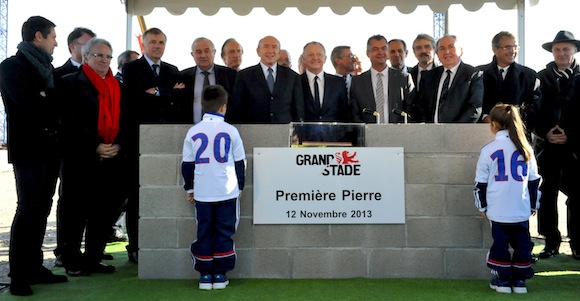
(326, 134)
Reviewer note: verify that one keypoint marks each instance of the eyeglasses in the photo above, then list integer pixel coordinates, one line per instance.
(509, 47)
(101, 56)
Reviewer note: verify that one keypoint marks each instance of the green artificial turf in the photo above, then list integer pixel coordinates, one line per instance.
(556, 279)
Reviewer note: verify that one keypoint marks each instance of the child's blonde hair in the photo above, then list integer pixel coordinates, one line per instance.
(507, 117)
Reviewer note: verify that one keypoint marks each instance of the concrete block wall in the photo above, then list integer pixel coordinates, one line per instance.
(443, 236)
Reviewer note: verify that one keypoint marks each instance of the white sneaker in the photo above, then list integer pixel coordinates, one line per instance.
(220, 281)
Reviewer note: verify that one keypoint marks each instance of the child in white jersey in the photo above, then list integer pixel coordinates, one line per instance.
(506, 193)
(213, 170)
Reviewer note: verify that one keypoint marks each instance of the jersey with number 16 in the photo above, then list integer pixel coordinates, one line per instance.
(507, 175)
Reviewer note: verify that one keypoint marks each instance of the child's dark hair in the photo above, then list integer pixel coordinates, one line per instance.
(507, 117)
(213, 97)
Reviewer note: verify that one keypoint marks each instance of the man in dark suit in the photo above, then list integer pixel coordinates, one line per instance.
(381, 92)
(424, 50)
(506, 81)
(153, 91)
(324, 94)
(232, 53)
(452, 92)
(267, 92)
(33, 116)
(397, 54)
(204, 73)
(343, 62)
(75, 41)
(123, 58)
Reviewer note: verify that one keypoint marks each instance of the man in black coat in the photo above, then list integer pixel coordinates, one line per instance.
(32, 113)
(267, 92)
(505, 81)
(452, 92)
(204, 73)
(153, 93)
(556, 143)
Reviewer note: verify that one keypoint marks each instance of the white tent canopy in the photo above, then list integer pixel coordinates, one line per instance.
(308, 7)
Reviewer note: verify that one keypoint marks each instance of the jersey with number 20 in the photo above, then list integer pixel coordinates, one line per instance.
(214, 146)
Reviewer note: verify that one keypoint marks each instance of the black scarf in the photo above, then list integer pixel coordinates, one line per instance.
(40, 60)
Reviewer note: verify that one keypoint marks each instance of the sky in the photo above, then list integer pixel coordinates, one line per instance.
(475, 30)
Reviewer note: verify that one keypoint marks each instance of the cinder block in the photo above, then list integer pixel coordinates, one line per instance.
(159, 170)
(162, 138)
(467, 138)
(164, 202)
(406, 262)
(247, 200)
(424, 200)
(459, 200)
(271, 135)
(329, 263)
(244, 237)
(272, 263)
(186, 232)
(166, 264)
(367, 236)
(158, 233)
(244, 259)
(440, 168)
(272, 236)
(444, 232)
(415, 138)
(466, 264)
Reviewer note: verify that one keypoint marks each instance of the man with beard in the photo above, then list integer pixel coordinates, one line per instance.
(424, 50)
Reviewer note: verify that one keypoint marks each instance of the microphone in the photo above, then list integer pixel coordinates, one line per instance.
(401, 113)
(374, 113)
(370, 112)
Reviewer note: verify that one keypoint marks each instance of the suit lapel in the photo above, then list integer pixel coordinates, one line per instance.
(368, 88)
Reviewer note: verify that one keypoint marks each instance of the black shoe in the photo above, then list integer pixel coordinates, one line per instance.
(548, 253)
(76, 272)
(133, 257)
(576, 254)
(58, 262)
(47, 277)
(20, 289)
(101, 268)
(107, 256)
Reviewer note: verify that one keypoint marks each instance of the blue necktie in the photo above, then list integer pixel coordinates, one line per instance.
(155, 67)
(270, 80)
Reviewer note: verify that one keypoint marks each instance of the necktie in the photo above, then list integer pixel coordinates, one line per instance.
(270, 80)
(380, 97)
(317, 91)
(500, 77)
(419, 77)
(445, 87)
(155, 68)
(206, 78)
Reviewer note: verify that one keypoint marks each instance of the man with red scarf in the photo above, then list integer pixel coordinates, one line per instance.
(94, 161)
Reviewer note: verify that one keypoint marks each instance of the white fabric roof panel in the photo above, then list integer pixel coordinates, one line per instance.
(307, 7)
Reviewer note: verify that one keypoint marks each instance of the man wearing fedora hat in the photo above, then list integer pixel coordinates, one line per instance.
(557, 128)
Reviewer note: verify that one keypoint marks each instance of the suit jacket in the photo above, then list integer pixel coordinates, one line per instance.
(66, 68)
(167, 106)
(415, 73)
(463, 101)
(521, 87)
(334, 102)
(224, 76)
(253, 102)
(362, 95)
(32, 112)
